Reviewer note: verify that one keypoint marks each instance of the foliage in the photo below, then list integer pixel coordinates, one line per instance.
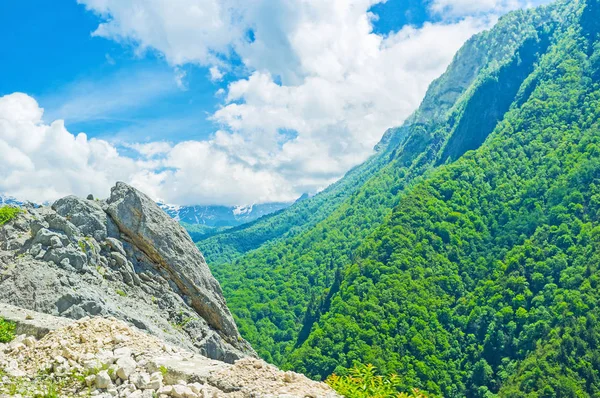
(7, 331)
(362, 381)
(279, 292)
(484, 280)
(199, 232)
(7, 213)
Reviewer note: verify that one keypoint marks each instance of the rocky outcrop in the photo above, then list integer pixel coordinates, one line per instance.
(168, 245)
(107, 358)
(123, 257)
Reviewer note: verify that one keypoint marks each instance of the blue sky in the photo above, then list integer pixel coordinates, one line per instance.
(214, 102)
(51, 54)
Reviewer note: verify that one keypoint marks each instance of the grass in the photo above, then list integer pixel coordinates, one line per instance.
(7, 331)
(7, 213)
(121, 293)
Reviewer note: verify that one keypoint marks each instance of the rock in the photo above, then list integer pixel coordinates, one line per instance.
(180, 391)
(140, 380)
(156, 381)
(122, 352)
(86, 215)
(166, 242)
(197, 388)
(80, 258)
(90, 380)
(125, 367)
(106, 358)
(103, 380)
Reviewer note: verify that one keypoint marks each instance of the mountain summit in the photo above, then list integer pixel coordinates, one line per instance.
(122, 257)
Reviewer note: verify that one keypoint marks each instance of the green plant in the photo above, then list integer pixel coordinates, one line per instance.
(7, 331)
(163, 370)
(362, 381)
(121, 293)
(52, 391)
(82, 245)
(7, 213)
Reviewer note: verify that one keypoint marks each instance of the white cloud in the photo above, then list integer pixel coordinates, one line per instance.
(43, 162)
(216, 74)
(320, 90)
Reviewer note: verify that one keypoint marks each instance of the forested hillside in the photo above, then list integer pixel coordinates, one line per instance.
(484, 280)
(295, 299)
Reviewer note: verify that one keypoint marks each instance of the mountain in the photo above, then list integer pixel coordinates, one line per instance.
(466, 260)
(122, 257)
(9, 200)
(228, 245)
(220, 216)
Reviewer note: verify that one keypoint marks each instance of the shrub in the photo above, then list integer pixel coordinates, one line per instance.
(7, 213)
(362, 382)
(7, 331)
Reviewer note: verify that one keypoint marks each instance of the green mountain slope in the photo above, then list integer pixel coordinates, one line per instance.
(279, 292)
(484, 280)
(233, 243)
(484, 51)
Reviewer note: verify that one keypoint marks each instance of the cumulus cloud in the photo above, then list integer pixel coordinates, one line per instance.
(43, 162)
(320, 89)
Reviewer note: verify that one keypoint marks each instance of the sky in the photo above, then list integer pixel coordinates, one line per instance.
(207, 102)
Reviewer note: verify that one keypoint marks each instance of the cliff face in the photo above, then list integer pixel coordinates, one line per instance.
(123, 257)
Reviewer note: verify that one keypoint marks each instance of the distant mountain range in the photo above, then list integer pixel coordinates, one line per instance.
(9, 200)
(221, 216)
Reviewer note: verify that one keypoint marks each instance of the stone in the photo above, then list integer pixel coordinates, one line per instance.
(87, 258)
(106, 358)
(181, 391)
(140, 380)
(165, 242)
(122, 352)
(125, 367)
(103, 380)
(156, 381)
(90, 380)
(197, 388)
(86, 215)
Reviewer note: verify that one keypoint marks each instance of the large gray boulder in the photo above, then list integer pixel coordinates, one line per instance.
(123, 257)
(168, 245)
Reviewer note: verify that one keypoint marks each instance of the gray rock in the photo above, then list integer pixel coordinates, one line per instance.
(86, 215)
(125, 367)
(31, 323)
(148, 274)
(169, 246)
(77, 259)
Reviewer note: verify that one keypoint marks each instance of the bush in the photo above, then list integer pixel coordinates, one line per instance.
(362, 382)
(7, 213)
(7, 331)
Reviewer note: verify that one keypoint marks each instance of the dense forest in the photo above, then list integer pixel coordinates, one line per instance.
(467, 261)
